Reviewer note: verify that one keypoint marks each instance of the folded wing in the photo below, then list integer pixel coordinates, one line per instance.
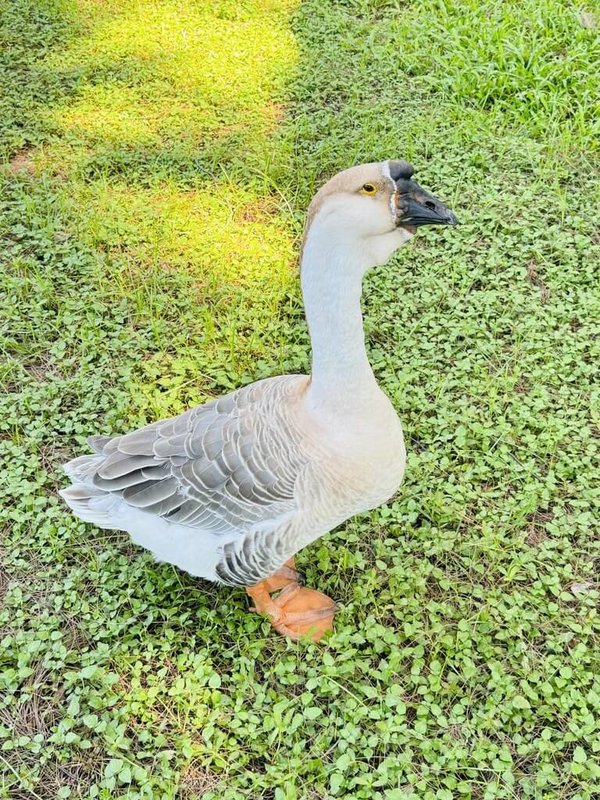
(222, 467)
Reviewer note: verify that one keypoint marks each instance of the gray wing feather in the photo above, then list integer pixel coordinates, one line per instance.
(98, 443)
(224, 466)
(119, 464)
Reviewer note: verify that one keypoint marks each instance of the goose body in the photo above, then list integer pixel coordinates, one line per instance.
(232, 489)
(210, 492)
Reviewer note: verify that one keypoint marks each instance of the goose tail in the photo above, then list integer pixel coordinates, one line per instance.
(83, 468)
(87, 501)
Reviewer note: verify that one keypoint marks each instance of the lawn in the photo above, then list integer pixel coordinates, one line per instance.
(156, 161)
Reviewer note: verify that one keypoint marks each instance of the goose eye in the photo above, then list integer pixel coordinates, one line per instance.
(368, 188)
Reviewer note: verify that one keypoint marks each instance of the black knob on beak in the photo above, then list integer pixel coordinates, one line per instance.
(401, 170)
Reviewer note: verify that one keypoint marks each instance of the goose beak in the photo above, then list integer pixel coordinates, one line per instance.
(416, 207)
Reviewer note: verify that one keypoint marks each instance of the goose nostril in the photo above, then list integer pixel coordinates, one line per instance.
(429, 204)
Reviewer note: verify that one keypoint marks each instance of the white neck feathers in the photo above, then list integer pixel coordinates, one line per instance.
(331, 278)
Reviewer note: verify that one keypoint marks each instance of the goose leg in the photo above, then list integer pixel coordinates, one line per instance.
(296, 611)
(285, 575)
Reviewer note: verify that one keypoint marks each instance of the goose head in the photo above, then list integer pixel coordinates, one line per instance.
(371, 210)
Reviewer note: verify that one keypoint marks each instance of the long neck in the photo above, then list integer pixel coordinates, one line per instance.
(331, 287)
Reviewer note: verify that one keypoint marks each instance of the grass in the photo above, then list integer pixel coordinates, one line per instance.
(158, 158)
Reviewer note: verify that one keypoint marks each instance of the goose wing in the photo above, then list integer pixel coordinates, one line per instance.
(221, 467)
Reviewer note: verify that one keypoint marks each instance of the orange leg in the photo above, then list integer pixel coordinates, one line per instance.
(283, 577)
(296, 611)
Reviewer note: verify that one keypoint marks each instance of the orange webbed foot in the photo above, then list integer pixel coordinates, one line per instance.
(297, 610)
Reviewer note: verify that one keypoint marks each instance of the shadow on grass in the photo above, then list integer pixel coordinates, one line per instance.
(30, 33)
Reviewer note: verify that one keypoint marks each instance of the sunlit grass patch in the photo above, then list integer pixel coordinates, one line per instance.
(158, 75)
(223, 235)
(166, 95)
(121, 116)
(220, 260)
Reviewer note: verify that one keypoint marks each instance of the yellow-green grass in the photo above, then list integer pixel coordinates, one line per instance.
(158, 158)
(159, 86)
(168, 79)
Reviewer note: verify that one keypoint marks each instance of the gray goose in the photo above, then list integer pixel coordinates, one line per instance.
(233, 489)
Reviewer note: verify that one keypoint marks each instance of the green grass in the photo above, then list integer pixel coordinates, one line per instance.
(158, 158)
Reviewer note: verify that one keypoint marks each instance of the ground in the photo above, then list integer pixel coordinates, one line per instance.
(157, 161)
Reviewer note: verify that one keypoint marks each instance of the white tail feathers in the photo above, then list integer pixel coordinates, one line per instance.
(91, 504)
(83, 468)
(87, 501)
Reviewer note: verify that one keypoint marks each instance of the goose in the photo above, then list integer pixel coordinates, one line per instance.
(231, 490)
